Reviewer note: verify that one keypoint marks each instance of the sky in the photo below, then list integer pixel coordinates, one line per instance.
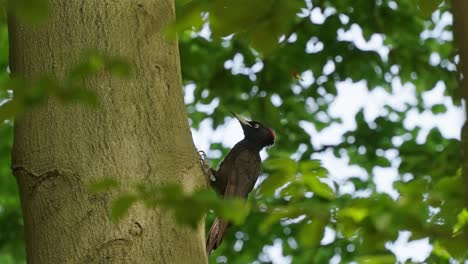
(351, 98)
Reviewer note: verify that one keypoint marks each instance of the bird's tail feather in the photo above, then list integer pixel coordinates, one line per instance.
(216, 235)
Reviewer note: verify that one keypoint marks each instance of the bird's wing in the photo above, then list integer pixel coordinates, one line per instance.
(218, 183)
(240, 182)
(243, 175)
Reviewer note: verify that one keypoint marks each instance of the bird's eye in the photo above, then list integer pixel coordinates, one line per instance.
(256, 126)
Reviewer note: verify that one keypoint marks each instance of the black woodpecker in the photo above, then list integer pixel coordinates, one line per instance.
(238, 172)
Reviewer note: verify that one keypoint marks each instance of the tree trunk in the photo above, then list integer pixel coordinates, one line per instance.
(138, 134)
(460, 22)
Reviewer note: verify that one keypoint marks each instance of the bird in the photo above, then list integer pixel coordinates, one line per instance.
(238, 172)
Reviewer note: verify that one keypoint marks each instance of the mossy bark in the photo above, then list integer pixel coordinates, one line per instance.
(138, 134)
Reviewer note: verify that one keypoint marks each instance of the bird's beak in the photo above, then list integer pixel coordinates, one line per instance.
(241, 119)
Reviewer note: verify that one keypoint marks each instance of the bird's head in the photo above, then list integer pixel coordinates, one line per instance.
(256, 132)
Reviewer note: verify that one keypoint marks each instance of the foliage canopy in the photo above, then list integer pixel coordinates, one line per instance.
(281, 62)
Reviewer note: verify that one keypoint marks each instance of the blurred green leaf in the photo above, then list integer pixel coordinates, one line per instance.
(235, 210)
(462, 221)
(32, 11)
(376, 259)
(355, 213)
(311, 233)
(427, 7)
(270, 220)
(189, 14)
(121, 205)
(309, 165)
(317, 187)
(438, 109)
(9, 109)
(119, 67)
(441, 251)
(273, 182)
(286, 165)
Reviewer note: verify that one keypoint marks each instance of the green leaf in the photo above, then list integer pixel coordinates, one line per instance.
(376, 259)
(32, 11)
(273, 182)
(317, 187)
(427, 7)
(189, 213)
(440, 251)
(95, 61)
(285, 165)
(309, 165)
(263, 40)
(271, 219)
(119, 67)
(314, 167)
(311, 233)
(121, 205)
(235, 210)
(189, 17)
(439, 109)
(462, 221)
(9, 109)
(356, 213)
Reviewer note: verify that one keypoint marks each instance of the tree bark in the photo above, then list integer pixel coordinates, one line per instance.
(460, 22)
(138, 134)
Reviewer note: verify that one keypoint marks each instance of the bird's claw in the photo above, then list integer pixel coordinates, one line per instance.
(205, 166)
(202, 155)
